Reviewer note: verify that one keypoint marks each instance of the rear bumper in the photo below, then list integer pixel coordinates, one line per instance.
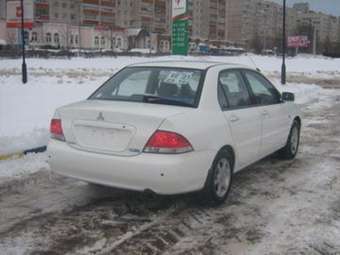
(163, 174)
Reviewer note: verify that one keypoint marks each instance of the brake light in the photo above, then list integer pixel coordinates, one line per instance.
(168, 143)
(56, 130)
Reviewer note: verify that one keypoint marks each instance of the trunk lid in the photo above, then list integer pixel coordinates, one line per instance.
(113, 127)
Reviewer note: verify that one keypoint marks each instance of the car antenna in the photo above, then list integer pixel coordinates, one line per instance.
(252, 60)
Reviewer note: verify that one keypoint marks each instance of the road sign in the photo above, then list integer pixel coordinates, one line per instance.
(298, 42)
(179, 7)
(14, 14)
(41, 10)
(180, 24)
(180, 37)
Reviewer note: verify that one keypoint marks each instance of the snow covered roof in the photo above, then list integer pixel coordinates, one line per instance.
(134, 31)
(3, 42)
(188, 64)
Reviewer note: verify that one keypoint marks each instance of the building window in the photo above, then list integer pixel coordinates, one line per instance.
(34, 37)
(76, 39)
(64, 5)
(113, 42)
(71, 39)
(48, 37)
(119, 43)
(102, 41)
(56, 15)
(73, 16)
(96, 41)
(56, 38)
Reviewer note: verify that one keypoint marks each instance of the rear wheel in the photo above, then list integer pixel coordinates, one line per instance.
(292, 146)
(219, 180)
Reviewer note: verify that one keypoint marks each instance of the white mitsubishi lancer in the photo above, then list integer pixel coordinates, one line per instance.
(174, 127)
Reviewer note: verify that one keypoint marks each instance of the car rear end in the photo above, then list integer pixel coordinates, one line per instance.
(115, 138)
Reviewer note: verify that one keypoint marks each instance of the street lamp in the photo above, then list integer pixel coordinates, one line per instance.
(284, 46)
(24, 67)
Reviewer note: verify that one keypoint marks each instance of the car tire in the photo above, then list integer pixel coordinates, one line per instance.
(291, 149)
(219, 179)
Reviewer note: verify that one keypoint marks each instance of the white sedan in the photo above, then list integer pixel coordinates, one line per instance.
(174, 127)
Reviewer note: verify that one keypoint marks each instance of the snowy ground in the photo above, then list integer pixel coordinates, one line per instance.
(275, 207)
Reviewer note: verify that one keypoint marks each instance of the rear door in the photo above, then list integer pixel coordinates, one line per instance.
(274, 113)
(244, 120)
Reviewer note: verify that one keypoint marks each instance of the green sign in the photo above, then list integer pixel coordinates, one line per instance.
(180, 37)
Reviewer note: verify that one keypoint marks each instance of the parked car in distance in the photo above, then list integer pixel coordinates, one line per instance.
(174, 127)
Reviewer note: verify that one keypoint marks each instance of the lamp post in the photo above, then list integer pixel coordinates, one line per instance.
(284, 46)
(24, 67)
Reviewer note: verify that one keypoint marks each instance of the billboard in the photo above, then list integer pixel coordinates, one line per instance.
(14, 14)
(179, 7)
(298, 42)
(180, 37)
(41, 10)
(180, 28)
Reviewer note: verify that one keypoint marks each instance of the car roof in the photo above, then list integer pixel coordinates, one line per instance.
(201, 65)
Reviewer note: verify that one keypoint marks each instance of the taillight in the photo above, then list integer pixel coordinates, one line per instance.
(168, 143)
(56, 130)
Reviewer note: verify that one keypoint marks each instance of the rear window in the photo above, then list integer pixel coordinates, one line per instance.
(170, 86)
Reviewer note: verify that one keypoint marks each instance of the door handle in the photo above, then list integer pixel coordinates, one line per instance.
(234, 118)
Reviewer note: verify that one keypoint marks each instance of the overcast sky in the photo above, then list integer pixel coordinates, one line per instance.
(327, 6)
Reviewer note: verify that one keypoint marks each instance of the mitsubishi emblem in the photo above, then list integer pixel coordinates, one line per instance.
(100, 117)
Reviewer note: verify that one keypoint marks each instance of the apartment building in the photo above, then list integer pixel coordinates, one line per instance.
(123, 24)
(147, 22)
(97, 13)
(324, 28)
(2, 23)
(2, 9)
(257, 23)
(208, 20)
(338, 33)
(241, 21)
(58, 11)
(151, 15)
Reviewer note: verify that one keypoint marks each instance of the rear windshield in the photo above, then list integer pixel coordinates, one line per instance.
(170, 86)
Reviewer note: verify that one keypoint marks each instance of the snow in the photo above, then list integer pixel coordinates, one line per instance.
(25, 110)
(28, 164)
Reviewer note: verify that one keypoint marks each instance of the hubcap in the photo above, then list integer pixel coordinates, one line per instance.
(222, 177)
(294, 140)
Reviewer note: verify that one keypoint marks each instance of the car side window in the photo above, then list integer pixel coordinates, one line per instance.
(234, 89)
(264, 92)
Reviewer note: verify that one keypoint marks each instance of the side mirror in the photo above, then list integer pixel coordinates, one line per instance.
(288, 97)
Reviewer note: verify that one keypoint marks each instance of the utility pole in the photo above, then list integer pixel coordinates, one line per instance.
(284, 46)
(24, 66)
(314, 41)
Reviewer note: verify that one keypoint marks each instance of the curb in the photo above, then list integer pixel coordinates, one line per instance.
(20, 154)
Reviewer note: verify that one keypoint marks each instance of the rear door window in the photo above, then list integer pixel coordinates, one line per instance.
(234, 89)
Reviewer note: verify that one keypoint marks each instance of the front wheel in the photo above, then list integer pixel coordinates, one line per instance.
(219, 180)
(292, 146)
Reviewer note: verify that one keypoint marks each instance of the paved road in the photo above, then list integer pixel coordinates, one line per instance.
(275, 207)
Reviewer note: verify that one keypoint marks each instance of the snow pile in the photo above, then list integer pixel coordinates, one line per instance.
(304, 93)
(301, 64)
(28, 164)
(26, 110)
